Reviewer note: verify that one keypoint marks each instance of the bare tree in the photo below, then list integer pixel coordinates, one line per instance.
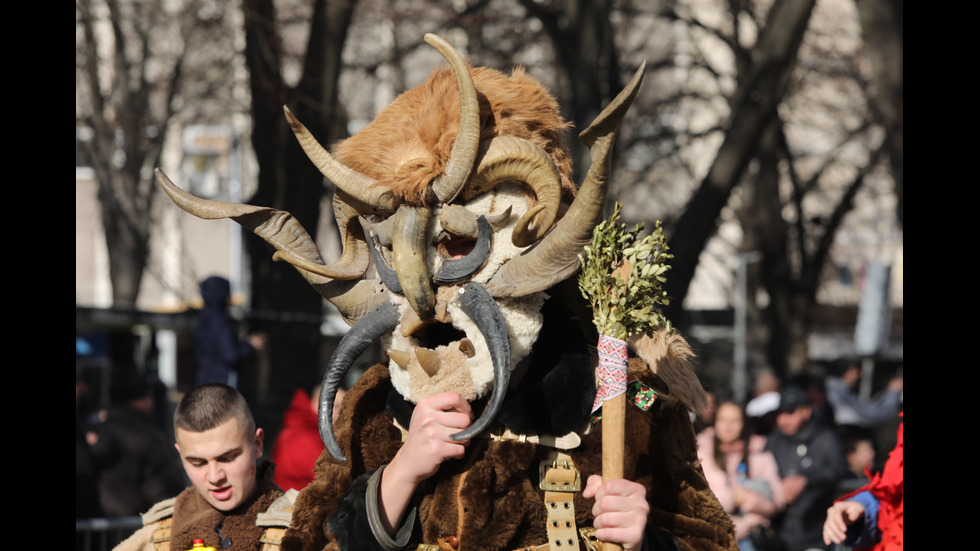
(282, 301)
(882, 26)
(761, 88)
(798, 146)
(123, 107)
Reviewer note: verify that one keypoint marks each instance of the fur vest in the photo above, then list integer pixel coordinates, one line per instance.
(258, 524)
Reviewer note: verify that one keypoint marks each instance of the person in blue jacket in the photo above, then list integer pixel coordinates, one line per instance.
(218, 352)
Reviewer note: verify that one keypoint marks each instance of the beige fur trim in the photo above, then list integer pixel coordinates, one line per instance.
(160, 510)
(669, 356)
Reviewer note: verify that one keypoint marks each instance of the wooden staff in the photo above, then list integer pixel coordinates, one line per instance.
(613, 445)
(622, 279)
(614, 426)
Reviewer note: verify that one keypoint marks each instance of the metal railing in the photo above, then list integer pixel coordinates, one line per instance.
(102, 534)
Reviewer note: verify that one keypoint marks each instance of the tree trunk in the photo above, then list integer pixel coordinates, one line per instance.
(785, 315)
(285, 305)
(754, 104)
(882, 25)
(583, 39)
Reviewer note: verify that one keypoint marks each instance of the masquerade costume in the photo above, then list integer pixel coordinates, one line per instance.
(460, 195)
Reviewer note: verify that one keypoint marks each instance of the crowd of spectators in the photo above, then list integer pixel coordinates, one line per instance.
(784, 463)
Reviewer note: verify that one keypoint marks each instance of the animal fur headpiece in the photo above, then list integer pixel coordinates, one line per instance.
(460, 192)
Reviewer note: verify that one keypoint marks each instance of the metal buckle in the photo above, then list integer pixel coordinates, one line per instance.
(557, 486)
(587, 535)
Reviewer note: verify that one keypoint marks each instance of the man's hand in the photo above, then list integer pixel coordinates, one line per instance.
(792, 487)
(434, 420)
(841, 515)
(258, 340)
(428, 444)
(620, 510)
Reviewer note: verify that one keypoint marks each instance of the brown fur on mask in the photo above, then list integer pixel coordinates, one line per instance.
(408, 143)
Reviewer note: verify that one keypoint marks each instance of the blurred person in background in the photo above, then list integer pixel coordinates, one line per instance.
(852, 410)
(86, 474)
(742, 474)
(859, 452)
(141, 468)
(811, 465)
(218, 353)
(706, 417)
(873, 516)
(299, 443)
(761, 408)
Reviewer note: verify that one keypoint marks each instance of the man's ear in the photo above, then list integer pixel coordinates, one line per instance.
(259, 439)
(177, 447)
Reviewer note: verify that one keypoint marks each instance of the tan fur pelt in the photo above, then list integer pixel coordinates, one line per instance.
(669, 356)
(408, 143)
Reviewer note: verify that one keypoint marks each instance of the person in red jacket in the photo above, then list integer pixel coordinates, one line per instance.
(872, 516)
(299, 443)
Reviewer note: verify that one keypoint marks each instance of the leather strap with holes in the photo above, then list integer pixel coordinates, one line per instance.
(560, 481)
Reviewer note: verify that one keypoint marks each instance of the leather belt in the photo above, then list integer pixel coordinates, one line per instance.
(560, 480)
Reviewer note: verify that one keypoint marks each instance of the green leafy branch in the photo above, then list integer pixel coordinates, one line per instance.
(623, 276)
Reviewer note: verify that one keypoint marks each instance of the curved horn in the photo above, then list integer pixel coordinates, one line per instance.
(463, 154)
(281, 230)
(477, 304)
(387, 275)
(355, 258)
(408, 243)
(360, 187)
(455, 270)
(376, 323)
(353, 299)
(509, 158)
(556, 257)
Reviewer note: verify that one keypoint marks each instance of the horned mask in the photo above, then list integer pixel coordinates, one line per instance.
(460, 195)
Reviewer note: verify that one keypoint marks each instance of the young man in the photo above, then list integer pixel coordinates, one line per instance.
(233, 502)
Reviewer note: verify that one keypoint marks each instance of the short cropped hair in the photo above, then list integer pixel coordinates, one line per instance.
(211, 405)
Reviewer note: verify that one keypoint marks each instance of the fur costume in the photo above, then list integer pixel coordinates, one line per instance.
(491, 498)
(460, 196)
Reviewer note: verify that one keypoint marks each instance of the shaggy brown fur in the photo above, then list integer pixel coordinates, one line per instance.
(491, 499)
(408, 143)
(670, 355)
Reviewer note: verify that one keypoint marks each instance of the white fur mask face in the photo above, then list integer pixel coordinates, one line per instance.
(455, 357)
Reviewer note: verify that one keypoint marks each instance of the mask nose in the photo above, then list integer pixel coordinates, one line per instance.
(408, 244)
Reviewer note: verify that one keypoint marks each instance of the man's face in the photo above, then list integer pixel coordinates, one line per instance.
(790, 422)
(221, 462)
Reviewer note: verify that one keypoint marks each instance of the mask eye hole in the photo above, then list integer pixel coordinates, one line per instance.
(455, 247)
(465, 255)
